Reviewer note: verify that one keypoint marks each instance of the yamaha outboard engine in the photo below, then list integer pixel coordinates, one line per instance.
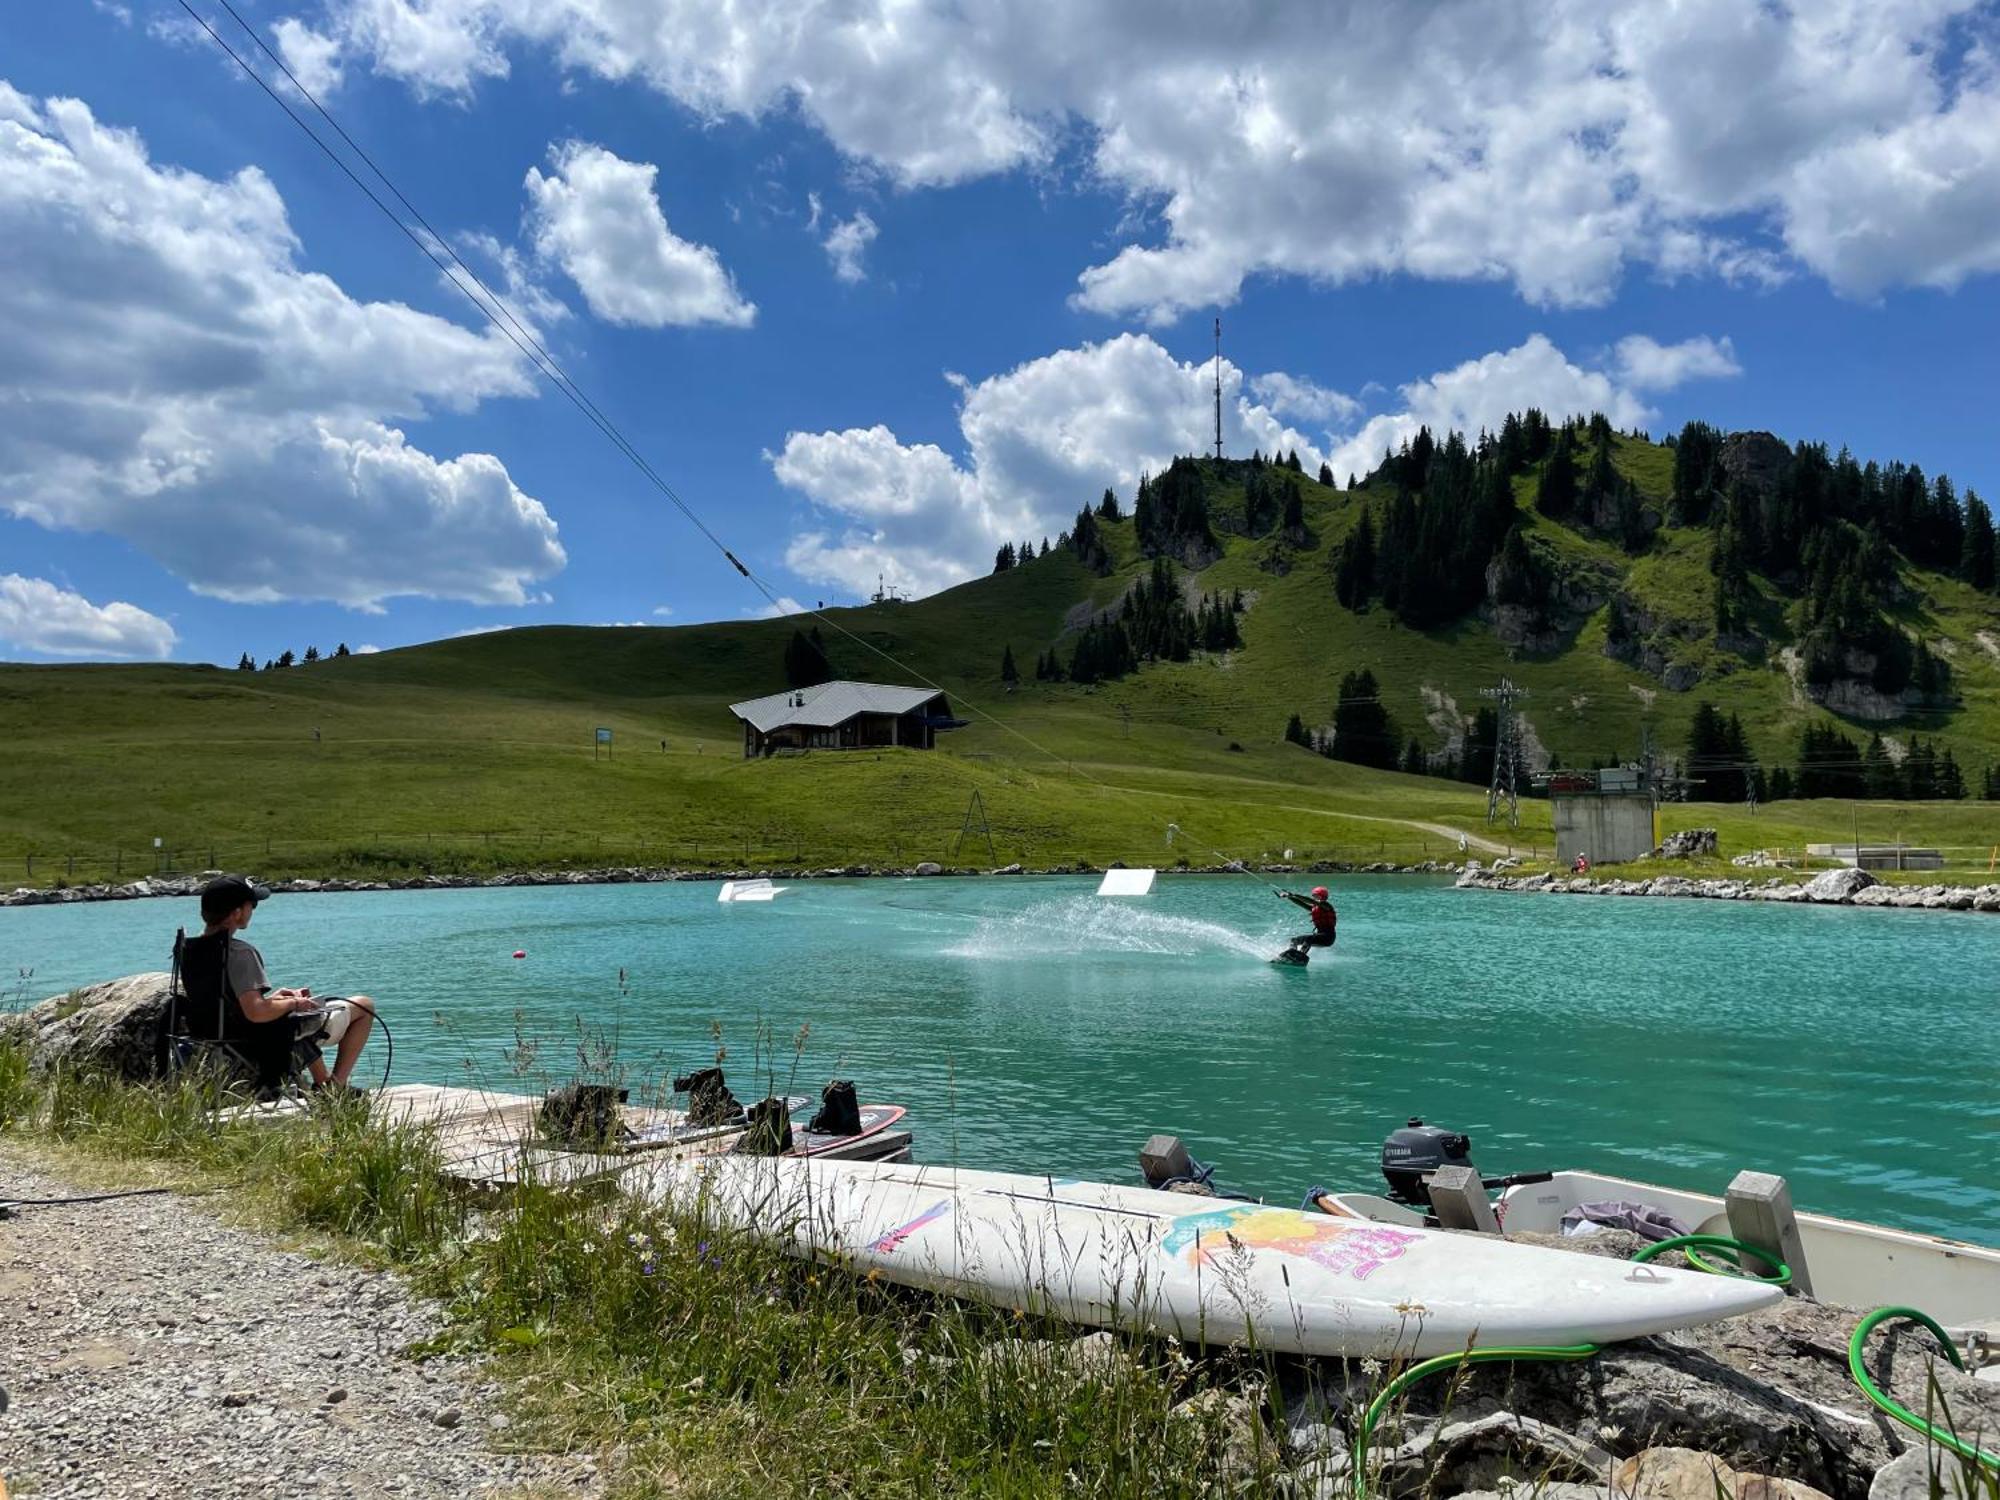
(1414, 1152)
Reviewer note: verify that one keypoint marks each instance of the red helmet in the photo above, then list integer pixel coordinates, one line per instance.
(1319, 893)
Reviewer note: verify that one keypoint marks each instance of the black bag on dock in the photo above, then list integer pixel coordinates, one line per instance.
(770, 1130)
(839, 1114)
(709, 1099)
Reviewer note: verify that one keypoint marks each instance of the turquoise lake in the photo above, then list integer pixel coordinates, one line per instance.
(1030, 1025)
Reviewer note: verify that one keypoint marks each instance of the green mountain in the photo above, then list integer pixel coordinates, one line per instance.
(1624, 584)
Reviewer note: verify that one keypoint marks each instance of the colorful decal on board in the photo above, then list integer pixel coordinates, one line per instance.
(895, 1237)
(1344, 1247)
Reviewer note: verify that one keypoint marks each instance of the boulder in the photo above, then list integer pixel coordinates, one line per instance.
(927, 867)
(1838, 885)
(1909, 1477)
(1684, 1474)
(112, 1027)
(1231, 1429)
(1689, 843)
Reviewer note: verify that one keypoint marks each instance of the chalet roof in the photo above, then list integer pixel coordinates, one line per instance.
(830, 704)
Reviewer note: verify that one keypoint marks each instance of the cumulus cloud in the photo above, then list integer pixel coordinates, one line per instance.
(312, 56)
(1647, 365)
(174, 378)
(1293, 396)
(1481, 392)
(37, 616)
(1549, 146)
(784, 605)
(598, 217)
(1047, 437)
(1041, 441)
(846, 243)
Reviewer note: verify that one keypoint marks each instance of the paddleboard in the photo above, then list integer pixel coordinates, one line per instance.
(1206, 1270)
(670, 1127)
(875, 1118)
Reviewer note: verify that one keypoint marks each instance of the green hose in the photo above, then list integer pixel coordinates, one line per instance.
(1889, 1403)
(1431, 1366)
(1693, 1243)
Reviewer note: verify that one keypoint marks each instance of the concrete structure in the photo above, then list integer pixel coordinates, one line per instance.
(1879, 856)
(844, 716)
(1607, 815)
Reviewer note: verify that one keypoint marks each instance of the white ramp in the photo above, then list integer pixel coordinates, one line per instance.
(748, 890)
(1127, 883)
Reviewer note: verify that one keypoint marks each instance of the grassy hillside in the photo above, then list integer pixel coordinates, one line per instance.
(476, 752)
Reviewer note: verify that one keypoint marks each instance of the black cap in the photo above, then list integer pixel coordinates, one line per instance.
(225, 893)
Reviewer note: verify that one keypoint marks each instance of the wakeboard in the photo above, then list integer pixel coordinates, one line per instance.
(1292, 958)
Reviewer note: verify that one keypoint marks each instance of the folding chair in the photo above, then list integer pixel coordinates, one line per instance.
(205, 1026)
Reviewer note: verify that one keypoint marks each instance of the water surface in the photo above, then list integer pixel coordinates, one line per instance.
(1031, 1026)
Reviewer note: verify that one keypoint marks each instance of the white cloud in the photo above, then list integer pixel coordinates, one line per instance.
(1042, 440)
(663, 611)
(37, 616)
(1481, 392)
(1550, 146)
(1647, 365)
(367, 650)
(1290, 395)
(785, 605)
(175, 379)
(846, 243)
(312, 56)
(598, 217)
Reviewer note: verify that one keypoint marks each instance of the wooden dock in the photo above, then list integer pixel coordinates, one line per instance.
(491, 1139)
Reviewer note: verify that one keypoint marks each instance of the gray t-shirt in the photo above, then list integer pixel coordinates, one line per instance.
(246, 970)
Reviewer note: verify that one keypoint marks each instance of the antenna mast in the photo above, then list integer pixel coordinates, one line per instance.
(1506, 754)
(1218, 390)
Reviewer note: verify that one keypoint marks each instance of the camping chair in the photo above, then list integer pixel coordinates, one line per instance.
(205, 1027)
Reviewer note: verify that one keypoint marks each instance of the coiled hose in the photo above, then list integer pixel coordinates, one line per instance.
(1894, 1407)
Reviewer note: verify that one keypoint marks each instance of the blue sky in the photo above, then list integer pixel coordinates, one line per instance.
(877, 288)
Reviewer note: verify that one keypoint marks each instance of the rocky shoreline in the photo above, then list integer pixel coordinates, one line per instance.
(1829, 888)
(188, 885)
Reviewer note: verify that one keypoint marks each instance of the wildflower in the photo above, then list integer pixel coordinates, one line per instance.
(874, 1274)
(1371, 1367)
(1611, 1432)
(648, 1266)
(639, 1242)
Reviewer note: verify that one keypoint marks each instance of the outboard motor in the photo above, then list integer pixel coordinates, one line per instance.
(1411, 1154)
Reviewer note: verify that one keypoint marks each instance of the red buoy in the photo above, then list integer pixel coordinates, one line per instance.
(520, 953)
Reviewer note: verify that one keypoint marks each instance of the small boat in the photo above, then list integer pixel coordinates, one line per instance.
(1848, 1262)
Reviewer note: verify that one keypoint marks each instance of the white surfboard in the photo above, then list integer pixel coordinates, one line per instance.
(1207, 1270)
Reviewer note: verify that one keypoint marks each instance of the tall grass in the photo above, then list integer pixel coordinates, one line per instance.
(710, 1364)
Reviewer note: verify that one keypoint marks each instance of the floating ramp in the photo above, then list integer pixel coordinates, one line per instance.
(1127, 883)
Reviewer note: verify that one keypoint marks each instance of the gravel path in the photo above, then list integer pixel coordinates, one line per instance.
(148, 1349)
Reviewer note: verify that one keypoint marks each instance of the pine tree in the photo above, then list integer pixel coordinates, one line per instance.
(286, 659)
(1780, 788)
(312, 653)
(1107, 508)
(245, 664)
(341, 650)
(1293, 520)
(1950, 780)
(1354, 564)
(1295, 732)
(1009, 673)
(1976, 557)
(1362, 731)
(1414, 763)
(1555, 491)
(1004, 558)
(1326, 476)
(1881, 778)
(805, 661)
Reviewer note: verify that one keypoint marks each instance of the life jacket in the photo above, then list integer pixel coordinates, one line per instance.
(1325, 918)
